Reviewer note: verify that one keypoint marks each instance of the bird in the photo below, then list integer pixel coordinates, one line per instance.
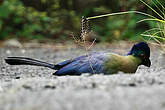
(95, 62)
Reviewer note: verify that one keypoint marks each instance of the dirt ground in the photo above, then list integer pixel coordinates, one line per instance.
(35, 88)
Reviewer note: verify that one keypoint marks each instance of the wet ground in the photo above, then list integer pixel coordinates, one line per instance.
(35, 88)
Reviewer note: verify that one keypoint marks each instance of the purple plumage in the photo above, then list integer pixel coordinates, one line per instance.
(94, 63)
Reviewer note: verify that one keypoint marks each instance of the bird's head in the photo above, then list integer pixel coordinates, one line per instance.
(141, 50)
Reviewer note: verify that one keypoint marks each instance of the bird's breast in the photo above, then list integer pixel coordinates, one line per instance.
(126, 64)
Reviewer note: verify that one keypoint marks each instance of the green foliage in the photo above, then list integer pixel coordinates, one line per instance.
(18, 21)
(38, 19)
(158, 32)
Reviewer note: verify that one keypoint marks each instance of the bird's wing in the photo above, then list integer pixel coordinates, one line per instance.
(67, 62)
(62, 64)
(84, 64)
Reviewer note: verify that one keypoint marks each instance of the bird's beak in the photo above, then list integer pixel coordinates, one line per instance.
(147, 62)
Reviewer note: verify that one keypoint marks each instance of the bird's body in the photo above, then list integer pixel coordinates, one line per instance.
(107, 63)
(94, 63)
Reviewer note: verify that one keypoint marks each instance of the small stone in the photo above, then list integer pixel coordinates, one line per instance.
(12, 43)
(1, 90)
(17, 77)
(8, 52)
(23, 51)
(49, 86)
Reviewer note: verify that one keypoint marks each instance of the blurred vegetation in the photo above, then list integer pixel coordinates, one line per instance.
(57, 19)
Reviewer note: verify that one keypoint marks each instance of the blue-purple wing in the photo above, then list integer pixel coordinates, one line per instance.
(94, 63)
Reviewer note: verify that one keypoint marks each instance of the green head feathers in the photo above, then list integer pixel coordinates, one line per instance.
(142, 51)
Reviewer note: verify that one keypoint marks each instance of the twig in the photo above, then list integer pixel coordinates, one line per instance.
(92, 44)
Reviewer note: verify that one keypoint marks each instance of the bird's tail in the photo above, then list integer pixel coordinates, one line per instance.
(28, 61)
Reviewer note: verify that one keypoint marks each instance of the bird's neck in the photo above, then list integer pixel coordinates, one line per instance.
(135, 59)
(130, 63)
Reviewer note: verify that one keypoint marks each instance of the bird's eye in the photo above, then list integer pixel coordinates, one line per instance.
(143, 56)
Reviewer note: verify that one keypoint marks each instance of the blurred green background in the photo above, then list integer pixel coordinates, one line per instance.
(57, 19)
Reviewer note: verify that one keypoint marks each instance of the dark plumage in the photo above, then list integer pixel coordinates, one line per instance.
(95, 63)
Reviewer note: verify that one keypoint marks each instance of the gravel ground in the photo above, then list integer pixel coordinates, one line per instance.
(35, 88)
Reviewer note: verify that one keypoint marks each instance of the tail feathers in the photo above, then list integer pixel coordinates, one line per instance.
(28, 61)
